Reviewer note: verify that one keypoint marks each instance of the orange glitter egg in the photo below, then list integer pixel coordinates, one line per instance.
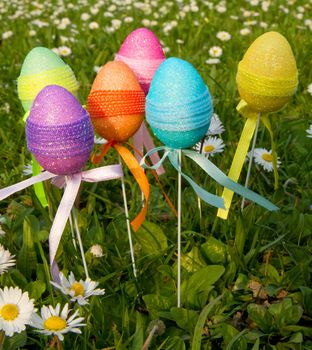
(116, 103)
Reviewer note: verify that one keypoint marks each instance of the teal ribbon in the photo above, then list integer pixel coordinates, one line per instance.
(213, 171)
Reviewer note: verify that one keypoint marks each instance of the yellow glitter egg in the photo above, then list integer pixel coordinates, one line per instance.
(267, 76)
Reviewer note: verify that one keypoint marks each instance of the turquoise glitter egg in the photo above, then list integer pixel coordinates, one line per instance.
(178, 105)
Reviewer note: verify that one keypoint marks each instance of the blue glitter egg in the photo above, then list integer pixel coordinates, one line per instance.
(178, 105)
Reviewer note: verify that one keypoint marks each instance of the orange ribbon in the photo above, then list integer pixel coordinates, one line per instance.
(110, 103)
(136, 171)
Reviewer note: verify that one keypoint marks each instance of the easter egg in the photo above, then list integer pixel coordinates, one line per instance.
(116, 102)
(143, 53)
(267, 76)
(178, 105)
(40, 68)
(59, 131)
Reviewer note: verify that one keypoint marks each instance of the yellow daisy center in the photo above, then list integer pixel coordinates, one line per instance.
(54, 323)
(267, 157)
(209, 148)
(9, 312)
(78, 288)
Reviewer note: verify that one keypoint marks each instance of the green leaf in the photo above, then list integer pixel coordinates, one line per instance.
(256, 345)
(196, 341)
(36, 289)
(175, 343)
(307, 299)
(214, 251)
(260, 315)
(151, 238)
(185, 319)
(16, 341)
(138, 338)
(285, 313)
(200, 281)
(156, 303)
(192, 261)
(27, 258)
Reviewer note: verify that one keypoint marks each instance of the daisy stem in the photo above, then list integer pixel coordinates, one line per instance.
(123, 187)
(2, 339)
(251, 158)
(58, 344)
(179, 230)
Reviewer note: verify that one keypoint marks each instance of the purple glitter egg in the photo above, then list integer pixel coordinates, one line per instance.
(59, 131)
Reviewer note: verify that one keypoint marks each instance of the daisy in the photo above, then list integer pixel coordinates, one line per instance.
(309, 131)
(215, 51)
(93, 25)
(96, 250)
(53, 321)
(16, 310)
(6, 260)
(7, 35)
(79, 291)
(211, 146)
(216, 127)
(223, 36)
(264, 158)
(64, 51)
(245, 31)
(309, 89)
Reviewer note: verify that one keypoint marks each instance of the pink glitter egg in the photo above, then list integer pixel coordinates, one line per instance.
(143, 53)
(59, 131)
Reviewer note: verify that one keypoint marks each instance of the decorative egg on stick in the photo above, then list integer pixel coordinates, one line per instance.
(178, 109)
(40, 68)
(116, 106)
(143, 53)
(267, 78)
(60, 135)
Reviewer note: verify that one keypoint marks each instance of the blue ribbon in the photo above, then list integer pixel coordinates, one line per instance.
(213, 171)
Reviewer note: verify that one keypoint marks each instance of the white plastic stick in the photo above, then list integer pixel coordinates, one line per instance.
(251, 158)
(80, 243)
(123, 187)
(179, 232)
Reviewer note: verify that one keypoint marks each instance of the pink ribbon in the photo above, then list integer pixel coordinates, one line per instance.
(143, 138)
(72, 182)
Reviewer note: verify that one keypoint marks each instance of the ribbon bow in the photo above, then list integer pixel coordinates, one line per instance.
(213, 172)
(73, 182)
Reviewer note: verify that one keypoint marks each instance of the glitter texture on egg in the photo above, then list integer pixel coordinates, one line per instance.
(143, 53)
(267, 76)
(116, 102)
(178, 105)
(40, 68)
(59, 131)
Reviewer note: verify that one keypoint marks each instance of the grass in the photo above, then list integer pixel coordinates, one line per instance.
(247, 280)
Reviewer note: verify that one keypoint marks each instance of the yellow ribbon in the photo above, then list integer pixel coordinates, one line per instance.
(240, 154)
(28, 86)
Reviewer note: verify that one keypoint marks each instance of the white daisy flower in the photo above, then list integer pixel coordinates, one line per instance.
(6, 259)
(96, 250)
(16, 310)
(223, 36)
(211, 146)
(53, 321)
(85, 16)
(79, 291)
(216, 127)
(309, 89)
(215, 51)
(93, 25)
(245, 31)
(27, 169)
(264, 158)
(7, 35)
(309, 131)
(64, 51)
